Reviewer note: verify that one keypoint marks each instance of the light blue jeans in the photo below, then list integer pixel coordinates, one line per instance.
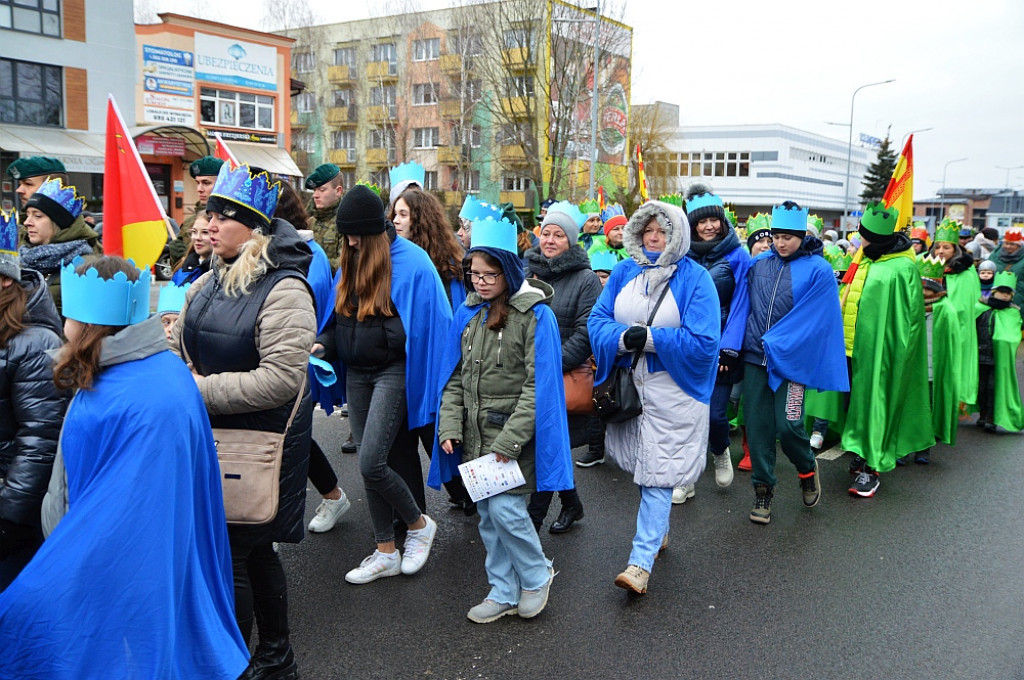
(515, 561)
(651, 525)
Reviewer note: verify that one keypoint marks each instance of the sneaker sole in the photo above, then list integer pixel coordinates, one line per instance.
(384, 574)
(626, 584)
(686, 497)
(757, 519)
(492, 619)
(583, 464)
(865, 494)
(430, 545)
(348, 506)
(723, 486)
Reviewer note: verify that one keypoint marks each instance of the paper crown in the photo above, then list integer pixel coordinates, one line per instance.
(474, 210)
(931, 267)
(948, 231)
(590, 207)
(87, 298)
(374, 187)
(172, 298)
(816, 222)
(603, 261)
(758, 222)
(240, 186)
(879, 220)
(9, 231)
(569, 209)
(1014, 235)
(831, 252)
(65, 196)
(920, 234)
(707, 200)
(786, 218)
(411, 171)
(491, 233)
(672, 199)
(730, 215)
(611, 211)
(841, 263)
(1005, 279)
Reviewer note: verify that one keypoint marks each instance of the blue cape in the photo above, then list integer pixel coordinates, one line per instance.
(323, 287)
(136, 580)
(689, 354)
(551, 429)
(739, 308)
(457, 289)
(419, 297)
(806, 345)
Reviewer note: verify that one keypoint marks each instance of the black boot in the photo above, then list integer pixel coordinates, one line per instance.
(274, 658)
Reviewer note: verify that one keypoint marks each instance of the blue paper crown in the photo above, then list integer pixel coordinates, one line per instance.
(474, 210)
(9, 231)
(87, 298)
(704, 201)
(172, 298)
(408, 171)
(65, 196)
(611, 211)
(604, 260)
(491, 233)
(569, 209)
(789, 219)
(240, 186)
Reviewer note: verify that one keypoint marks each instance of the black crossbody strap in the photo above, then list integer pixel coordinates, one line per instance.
(654, 312)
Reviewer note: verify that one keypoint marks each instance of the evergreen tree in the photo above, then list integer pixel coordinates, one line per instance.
(879, 173)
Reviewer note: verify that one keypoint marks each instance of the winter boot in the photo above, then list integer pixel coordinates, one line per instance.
(274, 658)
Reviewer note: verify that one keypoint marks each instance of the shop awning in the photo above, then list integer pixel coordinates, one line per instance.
(196, 145)
(79, 151)
(273, 159)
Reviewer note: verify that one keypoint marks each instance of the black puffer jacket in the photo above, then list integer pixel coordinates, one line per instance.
(576, 290)
(31, 407)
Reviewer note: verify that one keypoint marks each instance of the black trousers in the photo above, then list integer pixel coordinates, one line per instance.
(320, 471)
(986, 392)
(260, 588)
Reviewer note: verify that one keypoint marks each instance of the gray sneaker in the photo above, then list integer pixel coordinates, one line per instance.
(762, 512)
(532, 602)
(810, 486)
(489, 611)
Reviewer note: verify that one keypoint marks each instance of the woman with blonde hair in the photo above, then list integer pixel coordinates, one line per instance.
(245, 331)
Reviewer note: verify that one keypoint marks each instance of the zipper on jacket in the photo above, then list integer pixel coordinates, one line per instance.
(202, 315)
(500, 365)
(768, 320)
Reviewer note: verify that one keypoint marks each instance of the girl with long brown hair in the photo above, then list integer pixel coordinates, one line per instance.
(389, 324)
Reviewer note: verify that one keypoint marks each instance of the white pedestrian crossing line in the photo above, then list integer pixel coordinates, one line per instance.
(832, 454)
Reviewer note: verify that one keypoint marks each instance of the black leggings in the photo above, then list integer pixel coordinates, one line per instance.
(320, 471)
(259, 584)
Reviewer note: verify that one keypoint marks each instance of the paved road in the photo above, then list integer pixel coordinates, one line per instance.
(922, 581)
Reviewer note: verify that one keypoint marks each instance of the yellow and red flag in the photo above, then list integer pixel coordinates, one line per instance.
(601, 202)
(135, 224)
(221, 151)
(900, 192)
(641, 176)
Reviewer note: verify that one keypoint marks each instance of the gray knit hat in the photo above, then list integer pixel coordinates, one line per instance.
(564, 221)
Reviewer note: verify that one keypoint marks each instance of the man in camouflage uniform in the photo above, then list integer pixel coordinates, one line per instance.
(325, 183)
(204, 171)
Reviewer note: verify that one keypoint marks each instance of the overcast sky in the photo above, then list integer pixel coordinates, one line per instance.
(958, 68)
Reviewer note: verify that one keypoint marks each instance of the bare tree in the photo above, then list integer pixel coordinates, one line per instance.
(652, 126)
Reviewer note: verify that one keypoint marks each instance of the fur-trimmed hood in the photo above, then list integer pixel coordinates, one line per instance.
(677, 231)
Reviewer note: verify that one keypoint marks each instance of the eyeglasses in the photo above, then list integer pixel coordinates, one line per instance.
(488, 279)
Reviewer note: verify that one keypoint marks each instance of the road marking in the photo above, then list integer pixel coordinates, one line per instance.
(832, 454)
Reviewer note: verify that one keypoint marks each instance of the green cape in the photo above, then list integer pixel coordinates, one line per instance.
(889, 386)
(1008, 412)
(601, 246)
(964, 292)
(947, 340)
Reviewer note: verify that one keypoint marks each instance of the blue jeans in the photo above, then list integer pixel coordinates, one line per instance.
(515, 561)
(718, 430)
(651, 525)
(376, 412)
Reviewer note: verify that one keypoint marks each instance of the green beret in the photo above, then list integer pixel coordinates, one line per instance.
(35, 166)
(322, 175)
(207, 166)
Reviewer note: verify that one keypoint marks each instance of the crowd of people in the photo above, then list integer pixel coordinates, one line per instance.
(676, 325)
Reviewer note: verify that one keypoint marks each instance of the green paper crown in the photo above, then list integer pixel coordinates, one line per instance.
(1005, 280)
(931, 267)
(816, 222)
(831, 252)
(730, 214)
(879, 220)
(672, 199)
(371, 185)
(948, 231)
(759, 221)
(590, 207)
(841, 263)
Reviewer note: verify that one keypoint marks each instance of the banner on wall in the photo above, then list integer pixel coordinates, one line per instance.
(235, 62)
(168, 78)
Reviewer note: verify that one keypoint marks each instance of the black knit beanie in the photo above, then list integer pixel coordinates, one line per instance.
(361, 212)
(238, 212)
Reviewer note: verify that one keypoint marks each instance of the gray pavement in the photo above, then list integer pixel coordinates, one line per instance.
(922, 581)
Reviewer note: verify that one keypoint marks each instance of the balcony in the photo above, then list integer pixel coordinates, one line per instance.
(517, 107)
(517, 58)
(343, 158)
(301, 159)
(380, 114)
(380, 157)
(454, 108)
(454, 64)
(340, 74)
(516, 198)
(299, 119)
(450, 155)
(513, 154)
(342, 116)
(382, 70)
(452, 199)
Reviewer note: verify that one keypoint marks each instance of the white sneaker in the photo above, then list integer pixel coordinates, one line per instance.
(417, 547)
(723, 469)
(328, 514)
(378, 565)
(681, 493)
(817, 439)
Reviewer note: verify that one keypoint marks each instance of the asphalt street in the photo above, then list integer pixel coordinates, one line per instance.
(922, 581)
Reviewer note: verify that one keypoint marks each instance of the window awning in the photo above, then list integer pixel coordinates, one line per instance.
(196, 145)
(273, 159)
(78, 151)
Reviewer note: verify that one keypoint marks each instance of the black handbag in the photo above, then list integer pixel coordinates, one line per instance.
(616, 399)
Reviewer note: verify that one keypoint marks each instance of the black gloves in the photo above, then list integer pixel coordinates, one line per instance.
(635, 338)
(15, 537)
(728, 360)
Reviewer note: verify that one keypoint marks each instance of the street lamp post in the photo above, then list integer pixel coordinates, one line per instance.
(1016, 167)
(903, 142)
(849, 151)
(942, 204)
(1009, 190)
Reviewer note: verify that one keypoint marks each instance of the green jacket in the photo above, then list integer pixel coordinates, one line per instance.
(324, 231)
(489, 402)
(179, 247)
(601, 246)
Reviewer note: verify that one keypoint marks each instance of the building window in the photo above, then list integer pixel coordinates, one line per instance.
(423, 94)
(385, 52)
(31, 94)
(430, 180)
(519, 37)
(383, 138)
(305, 102)
(466, 42)
(239, 109)
(467, 90)
(345, 56)
(467, 136)
(381, 178)
(426, 138)
(508, 135)
(345, 140)
(348, 179)
(342, 97)
(31, 16)
(304, 62)
(471, 181)
(384, 96)
(426, 50)
(304, 141)
(514, 183)
(520, 86)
